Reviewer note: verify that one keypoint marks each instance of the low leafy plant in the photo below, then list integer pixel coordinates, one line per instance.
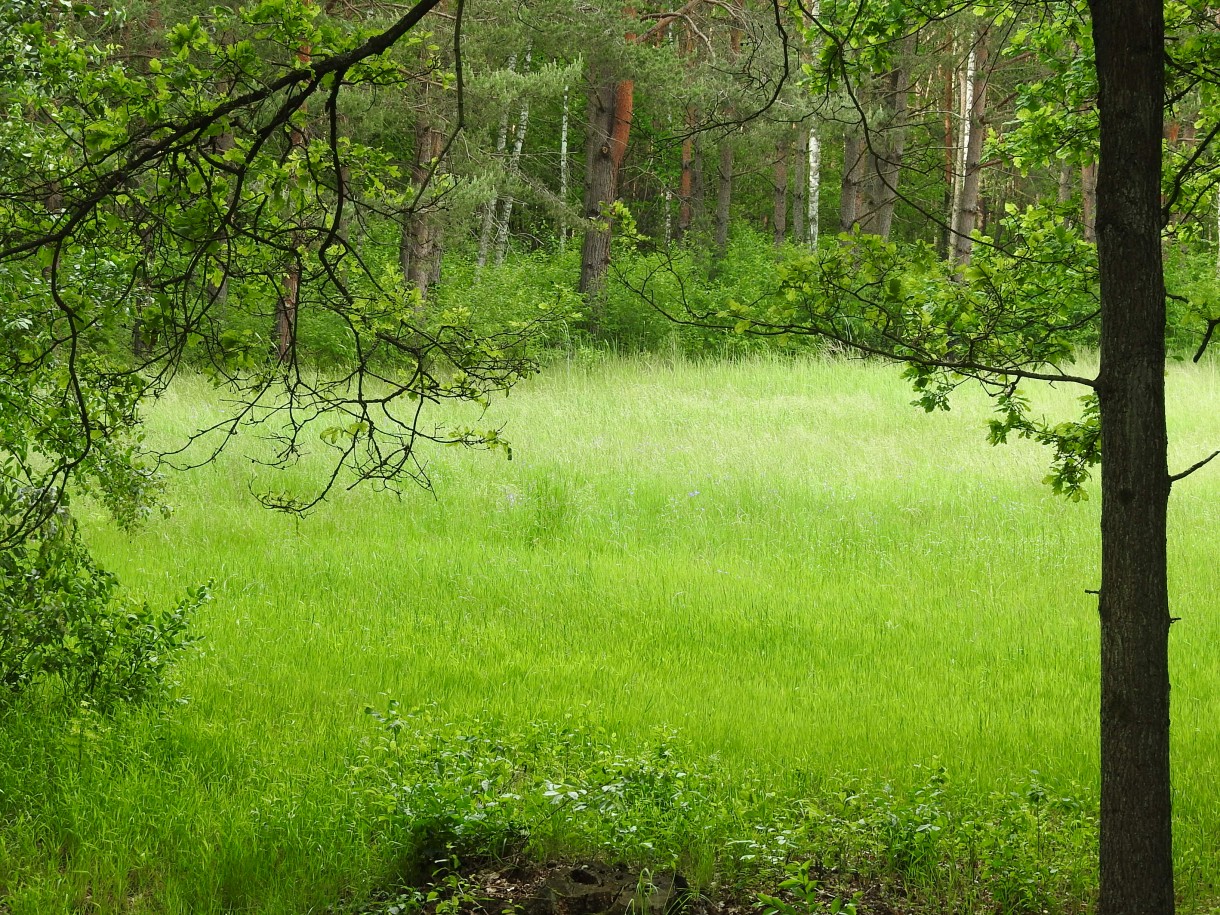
(473, 791)
(802, 894)
(63, 621)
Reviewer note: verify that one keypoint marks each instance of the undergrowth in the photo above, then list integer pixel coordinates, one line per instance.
(443, 791)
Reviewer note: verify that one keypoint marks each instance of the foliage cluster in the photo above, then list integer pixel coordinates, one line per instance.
(65, 625)
(448, 791)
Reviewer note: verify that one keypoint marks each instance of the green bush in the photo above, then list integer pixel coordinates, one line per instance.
(64, 623)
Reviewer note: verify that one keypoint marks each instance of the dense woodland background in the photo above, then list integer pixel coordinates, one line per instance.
(593, 148)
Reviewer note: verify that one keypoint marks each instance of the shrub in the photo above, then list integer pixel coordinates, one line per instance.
(63, 621)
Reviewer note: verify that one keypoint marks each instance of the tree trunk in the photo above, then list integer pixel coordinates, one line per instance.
(1064, 191)
(966, 217)
(724, 195)
(780, 188)
(886, 142)
(965, 81)
(853, 173)
(286, 314)
(698, 186)
(422, 256)
(143, 341)
(1088, 200)
(800, 184)
(563, 166)
(814, 196)
(686, 183)
(609, 115)
(1136, 843)
(946, 227)
(514, 172)
(489, 211)
(289, 299)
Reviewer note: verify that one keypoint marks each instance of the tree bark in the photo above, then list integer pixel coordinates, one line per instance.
(886, 143)
(1088, 200)
(286, 306)
(1063, 192)
(967, 216)
(800, 184)
(609, 113)
(853, 174)
(490, 209)
(961, 148)
(724, 195)
(814, 195)
(563, 167)
(514, 172)
(286, 314)
(686, 185)
(422, 248)
(945, 239)
(698, 185)
(780, 190)
(1136, 843)
(724, 172)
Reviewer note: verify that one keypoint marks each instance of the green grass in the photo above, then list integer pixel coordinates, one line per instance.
(785, 562)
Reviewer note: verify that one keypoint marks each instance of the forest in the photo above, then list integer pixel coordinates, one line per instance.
(609, 458)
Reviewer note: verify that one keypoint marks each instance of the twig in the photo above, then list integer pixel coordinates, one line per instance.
(1193, 467)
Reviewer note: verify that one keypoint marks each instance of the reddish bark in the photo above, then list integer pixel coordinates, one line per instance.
(685, 184)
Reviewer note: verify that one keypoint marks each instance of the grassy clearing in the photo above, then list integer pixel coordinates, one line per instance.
(785, 562)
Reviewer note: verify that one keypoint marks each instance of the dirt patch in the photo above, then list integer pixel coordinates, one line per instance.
(597, 888)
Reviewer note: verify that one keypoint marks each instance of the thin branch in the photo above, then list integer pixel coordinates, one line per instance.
(1173, 478)
(1207, 338)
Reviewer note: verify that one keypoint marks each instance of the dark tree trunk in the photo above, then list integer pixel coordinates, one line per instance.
(1136, 858)
(286, 315)
(883, 161)
(1088, 200)
(609, 115)
(422, 244)
(780, 188)
(601, 187)
(853, 173)
(800, 185)
(944, 239)
(143, 341)
(698, 187)
(724, 195)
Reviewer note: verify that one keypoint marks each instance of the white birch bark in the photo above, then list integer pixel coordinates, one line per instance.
(563, 167)
(489, 209)
(966, 85)
(968, 205)
(815, 187)
(514, 169)
(814, 190)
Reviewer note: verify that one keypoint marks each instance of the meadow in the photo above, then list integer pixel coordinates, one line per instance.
(784, 563)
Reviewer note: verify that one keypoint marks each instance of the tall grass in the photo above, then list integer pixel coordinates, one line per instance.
(784, 561)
